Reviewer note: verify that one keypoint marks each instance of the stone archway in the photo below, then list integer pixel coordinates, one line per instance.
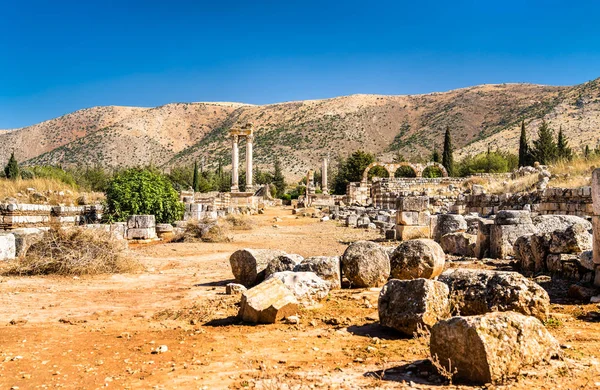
(391, 168)
(436, 165)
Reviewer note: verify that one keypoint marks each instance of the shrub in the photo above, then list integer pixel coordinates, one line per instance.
(239, 222)
(74, 251)
(142, 191)
(204, 231)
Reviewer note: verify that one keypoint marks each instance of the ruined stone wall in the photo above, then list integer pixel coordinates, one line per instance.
(14, 215)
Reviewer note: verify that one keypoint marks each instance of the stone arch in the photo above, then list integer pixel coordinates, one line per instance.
(414, 168)
(391, 169)
(437, 165)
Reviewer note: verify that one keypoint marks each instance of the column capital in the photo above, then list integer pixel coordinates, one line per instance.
(250, 138)
(235, 137)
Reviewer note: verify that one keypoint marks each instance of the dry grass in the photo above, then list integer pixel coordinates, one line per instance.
(50, 188)
(204, 231)
(572, 174)
(239, 222)
(521, 184)
(74, 251)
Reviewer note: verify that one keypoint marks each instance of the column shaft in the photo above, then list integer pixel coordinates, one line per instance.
(249, 171)
(234, 164)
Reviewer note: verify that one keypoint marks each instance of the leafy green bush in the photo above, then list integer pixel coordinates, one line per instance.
(138, 191)
(490, 162)
(49, 172)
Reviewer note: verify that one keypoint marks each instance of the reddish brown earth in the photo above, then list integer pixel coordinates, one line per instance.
(100, 332)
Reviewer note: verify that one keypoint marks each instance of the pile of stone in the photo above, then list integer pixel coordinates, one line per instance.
(364, 217)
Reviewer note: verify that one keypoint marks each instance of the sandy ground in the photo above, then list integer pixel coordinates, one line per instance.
(100, 332)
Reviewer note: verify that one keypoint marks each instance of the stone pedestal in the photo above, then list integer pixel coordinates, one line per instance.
(412, 218)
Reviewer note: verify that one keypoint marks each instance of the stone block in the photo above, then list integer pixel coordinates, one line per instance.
(503, 237)
(596, 191)
(24, 237)
(596, 243)
(268, 302)
(409, 218)
(412, 203)
(7, 246)
(141, 233)
(390, 234)
(352, 220)
(141, 222)
(404, 233)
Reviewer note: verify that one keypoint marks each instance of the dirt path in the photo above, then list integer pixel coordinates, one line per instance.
(98, 332)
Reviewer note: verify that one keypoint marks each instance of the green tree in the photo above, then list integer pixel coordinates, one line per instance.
(278, 178)
(142, 191)
(544, 148)
(435, 156)
(11, 170)
(489, 162)
(586, 151)
(447, 155)
(352, 169)
(195, 183)
(564, 152)
(524, 152)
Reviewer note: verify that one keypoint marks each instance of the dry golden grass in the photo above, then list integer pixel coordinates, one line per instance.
(50, 188)
(521, 184)
(239, 222)
(74, 251)
(204, 231)
(575, 173)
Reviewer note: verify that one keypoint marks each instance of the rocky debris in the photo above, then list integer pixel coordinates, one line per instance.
(307, 287)
(474, 292)
(7, 246)
(482, 247)
(582, 293)
(282, 263)
(459, 244)
(503, 237)
(24, 238)
(550, 223)
(366, 264)
(234, 289)
(449, 223)
(141, 227)
(406, 305)
(413, 259)
(513, 217)
(491, 347)
(352, 220)
(267, 303)
(574, 239)
(248, 265)
(326, 267)
(567, 266)
(586, 259)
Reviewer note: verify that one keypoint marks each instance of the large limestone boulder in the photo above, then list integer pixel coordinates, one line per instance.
(282, 263)
(503, 237)
(574, 239)
(482, 248)
(474, 292)
(326, 267)
(491, 347)
(366, 264)
(406, 305)
(307, 287)
(459, 244)
(413, 259)
(267, 303)
(248, 265)
(7, 246)
(550, 223)
(449, 223)
(513, 217)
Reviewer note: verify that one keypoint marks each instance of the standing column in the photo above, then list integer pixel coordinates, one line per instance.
(324, 186)
(249, 184)
(596, 223)
(234, 164)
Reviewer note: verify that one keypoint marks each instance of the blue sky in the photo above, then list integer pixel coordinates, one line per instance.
(60, 56)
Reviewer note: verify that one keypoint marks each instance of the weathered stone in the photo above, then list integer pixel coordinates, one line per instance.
(586, 260)
(307, 287)
(503, 237)
(141, 222)
(474, 292)
(596, 190)
(415, 259)
(491, 347)
(524, 254)
(412, 203)
(282, 263)
(141, 233)
(366, 264)
(459, 244)
(407, 218)
(582, 293)
(550, 223)
(7, 246)
(248, 265)
(596, 244)
(513, 217)
(164, 228)
(406, 305)
(564, 266)
(390, 234)
(482, 248)
(574, 239)
(326, 267)
(234, 288)
(449, 223)
(24, 238)
(404, 233)
(267, 303)
(363, 222)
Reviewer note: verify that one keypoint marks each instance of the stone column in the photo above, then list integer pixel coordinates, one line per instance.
(324, 185)
(596, 222)
(249, 172)
(234, 164)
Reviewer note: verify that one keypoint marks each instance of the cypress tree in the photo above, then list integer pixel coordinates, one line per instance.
(195, 184)
(11, 171)
(435, 157)
(278, 178)
(524, 153)
(586, 151)
(544, 148)
(562, 146)
(447, 158)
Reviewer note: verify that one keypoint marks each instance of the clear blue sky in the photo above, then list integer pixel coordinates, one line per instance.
(59, 56)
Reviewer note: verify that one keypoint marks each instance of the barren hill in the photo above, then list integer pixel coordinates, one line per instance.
(301, 133)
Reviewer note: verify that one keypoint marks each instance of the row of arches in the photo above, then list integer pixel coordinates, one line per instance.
(404, 169)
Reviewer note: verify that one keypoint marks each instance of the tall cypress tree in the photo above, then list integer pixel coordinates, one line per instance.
(278, 178)
(12, 168)
(435, 157)
(195, 184)
(562, 146)
(524, 153)
(586, 151)
(447, 157)
(544, 148)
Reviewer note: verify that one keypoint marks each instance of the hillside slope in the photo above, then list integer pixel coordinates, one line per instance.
(302, 133)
